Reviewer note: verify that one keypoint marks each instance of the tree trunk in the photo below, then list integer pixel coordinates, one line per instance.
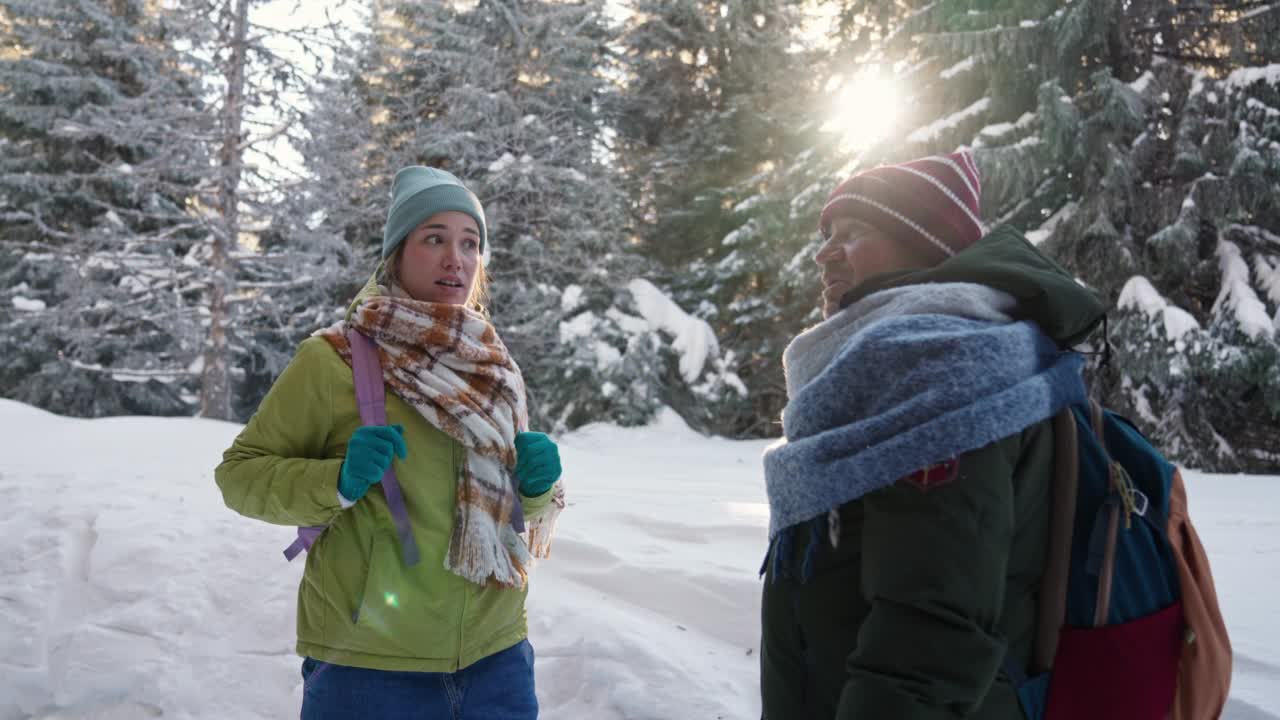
(215, 401)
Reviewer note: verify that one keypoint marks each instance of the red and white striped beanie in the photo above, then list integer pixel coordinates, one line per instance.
(934, 203)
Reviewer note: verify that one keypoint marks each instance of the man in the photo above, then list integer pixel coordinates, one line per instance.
(909, 497)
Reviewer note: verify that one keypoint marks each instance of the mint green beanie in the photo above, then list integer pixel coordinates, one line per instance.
(417, 193)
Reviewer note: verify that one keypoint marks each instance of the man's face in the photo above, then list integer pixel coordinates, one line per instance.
(854, 252)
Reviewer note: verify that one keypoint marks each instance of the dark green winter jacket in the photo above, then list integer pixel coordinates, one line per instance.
(910, 616)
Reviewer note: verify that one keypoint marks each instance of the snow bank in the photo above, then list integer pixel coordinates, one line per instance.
(127, 589)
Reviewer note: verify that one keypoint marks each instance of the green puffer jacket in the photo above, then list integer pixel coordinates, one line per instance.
(358, 604)
(912, 614)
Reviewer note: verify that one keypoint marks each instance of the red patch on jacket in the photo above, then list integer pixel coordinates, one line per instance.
(935, 475)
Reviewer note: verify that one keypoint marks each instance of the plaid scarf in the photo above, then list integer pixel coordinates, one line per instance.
(449, 364)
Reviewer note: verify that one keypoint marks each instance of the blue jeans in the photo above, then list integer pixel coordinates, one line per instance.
(499, 687)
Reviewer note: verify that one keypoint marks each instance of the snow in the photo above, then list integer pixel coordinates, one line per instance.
(629, 324)
(131, 591)
(1268, 277)
(1238, 297)
(1139, 294)
(1198, 80)
(578, 327)
(501, 164)
(1143, 82)
(570, 298)
(997, 129)
(933, 129)
(748, 204)
(607, 355)
(1141, 403)
(28, 304)
(992, 134)
(1256, 12)
(963, 66)
(1042, 233)
(1256, 104)
(802, 199)
(694, 340)
(1244, 77)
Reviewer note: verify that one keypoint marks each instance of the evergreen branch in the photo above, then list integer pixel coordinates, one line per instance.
(1222, 63)
(93, 367)
(38, 219)
(274, 133)
(267, 285)
(1249, 15)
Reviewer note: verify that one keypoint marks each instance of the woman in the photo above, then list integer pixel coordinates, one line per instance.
(439, 632)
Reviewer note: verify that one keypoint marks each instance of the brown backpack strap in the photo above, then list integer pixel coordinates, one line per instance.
(1102, 606)
(1052, 610)
(1096, 414)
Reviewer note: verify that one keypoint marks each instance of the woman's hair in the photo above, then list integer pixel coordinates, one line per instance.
(479, 288)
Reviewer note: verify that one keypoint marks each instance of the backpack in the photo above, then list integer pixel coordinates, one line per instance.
(366, 372)
(1128, 624)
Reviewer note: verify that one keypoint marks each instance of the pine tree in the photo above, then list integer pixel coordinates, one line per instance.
(121, 219)
(1136, 142)
(1140, 133)
(712, 123)
(94, 197)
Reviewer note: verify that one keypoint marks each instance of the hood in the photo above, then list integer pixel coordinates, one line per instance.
(1004, 260)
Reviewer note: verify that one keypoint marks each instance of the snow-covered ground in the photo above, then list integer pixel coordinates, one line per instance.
(127, 590)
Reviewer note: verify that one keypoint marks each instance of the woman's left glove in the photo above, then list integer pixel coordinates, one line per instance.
(537, 463)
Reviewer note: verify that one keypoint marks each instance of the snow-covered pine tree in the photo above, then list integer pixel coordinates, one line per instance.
(715, 113)
(1137, 143)
(110, 196)
(1133, 140)
(512, 96)
(94, 195)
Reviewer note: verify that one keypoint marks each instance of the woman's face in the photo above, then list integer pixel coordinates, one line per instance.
(440, 259)
(854, 252)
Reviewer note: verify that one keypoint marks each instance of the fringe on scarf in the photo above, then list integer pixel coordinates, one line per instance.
(449, 364)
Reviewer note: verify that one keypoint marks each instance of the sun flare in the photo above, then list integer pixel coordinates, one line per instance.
(864, 107)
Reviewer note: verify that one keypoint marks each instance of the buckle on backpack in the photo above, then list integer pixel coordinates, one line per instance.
(1140, 503)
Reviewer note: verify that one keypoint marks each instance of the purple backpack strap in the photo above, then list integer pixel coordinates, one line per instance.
(371, 397)
(306, 537)
(372, 401)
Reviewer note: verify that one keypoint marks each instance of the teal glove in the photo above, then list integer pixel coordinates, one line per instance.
(368, 457)
(537, 463)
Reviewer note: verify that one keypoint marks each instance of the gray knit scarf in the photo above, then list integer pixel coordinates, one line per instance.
(903, 379)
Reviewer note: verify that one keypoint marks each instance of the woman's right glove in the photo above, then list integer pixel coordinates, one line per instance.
(368, 457)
